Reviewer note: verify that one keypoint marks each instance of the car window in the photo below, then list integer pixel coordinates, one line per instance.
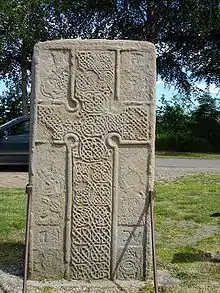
(18, 129)
(7, 123)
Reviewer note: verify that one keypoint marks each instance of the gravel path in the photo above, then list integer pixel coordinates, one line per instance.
(13, 179)
(166, 169)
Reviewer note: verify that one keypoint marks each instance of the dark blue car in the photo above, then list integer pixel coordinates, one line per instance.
(14, 142)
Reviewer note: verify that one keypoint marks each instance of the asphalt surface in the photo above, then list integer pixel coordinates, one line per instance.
(166, 170)
(188, 163)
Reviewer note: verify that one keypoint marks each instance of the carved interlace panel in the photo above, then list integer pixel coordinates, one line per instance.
(81, 109)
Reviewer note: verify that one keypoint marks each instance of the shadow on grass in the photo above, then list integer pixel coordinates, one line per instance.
(199, 256)
(12, 258)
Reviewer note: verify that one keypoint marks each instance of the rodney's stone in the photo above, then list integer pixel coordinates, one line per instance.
(92, 159)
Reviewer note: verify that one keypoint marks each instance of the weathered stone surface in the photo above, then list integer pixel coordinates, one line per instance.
(92, 160)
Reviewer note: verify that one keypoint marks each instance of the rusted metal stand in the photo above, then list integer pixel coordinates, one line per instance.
(29, 195)
(151, 200)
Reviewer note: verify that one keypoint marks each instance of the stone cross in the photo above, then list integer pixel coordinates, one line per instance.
(92, 159)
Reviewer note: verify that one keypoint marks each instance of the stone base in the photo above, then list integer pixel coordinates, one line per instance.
(93, 287)
(13, 284)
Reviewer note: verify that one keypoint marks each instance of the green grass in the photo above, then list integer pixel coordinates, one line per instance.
(187, 237)
(12, 225)
(183, 155)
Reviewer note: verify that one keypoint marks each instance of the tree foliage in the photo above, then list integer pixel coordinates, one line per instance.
(23, 23)
(186, 34)
(197, 130)
(10, 103)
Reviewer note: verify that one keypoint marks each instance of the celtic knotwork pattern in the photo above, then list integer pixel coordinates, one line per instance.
(92, 158)
(95, 270)
(91, 61)
(92, 149)
(95, 80)
(98, 175)
(132, 124)
(135, 124)
(59, 126)
(91, 230)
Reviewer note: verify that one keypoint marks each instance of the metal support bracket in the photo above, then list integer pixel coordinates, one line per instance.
(28, 191)
(152, 195)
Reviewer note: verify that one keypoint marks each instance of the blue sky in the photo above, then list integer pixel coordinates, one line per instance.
(214, 91)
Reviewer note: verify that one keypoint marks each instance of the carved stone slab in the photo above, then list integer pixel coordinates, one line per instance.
(92, 159)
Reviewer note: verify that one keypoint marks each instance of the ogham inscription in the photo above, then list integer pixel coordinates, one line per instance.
(94, 115)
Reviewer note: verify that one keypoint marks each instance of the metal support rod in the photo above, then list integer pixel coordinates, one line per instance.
(151, 199)
(29, 195)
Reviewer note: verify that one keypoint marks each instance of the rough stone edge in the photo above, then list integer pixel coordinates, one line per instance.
(94, 286)
(97, 43)
(13, 284)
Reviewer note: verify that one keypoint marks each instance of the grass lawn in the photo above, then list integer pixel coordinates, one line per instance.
(187, 237)
(179, 155)
(12, 225)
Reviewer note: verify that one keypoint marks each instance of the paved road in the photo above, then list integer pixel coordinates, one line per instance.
(166, 169)
(188, 163)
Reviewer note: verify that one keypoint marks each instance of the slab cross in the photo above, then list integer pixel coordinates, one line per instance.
(92, 122)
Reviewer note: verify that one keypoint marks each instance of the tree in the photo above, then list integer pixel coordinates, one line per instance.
(172, 129)
(185, 33)
(10, 103)
(205, 121)
(172, 118)
(194, 130)
(23, 23)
